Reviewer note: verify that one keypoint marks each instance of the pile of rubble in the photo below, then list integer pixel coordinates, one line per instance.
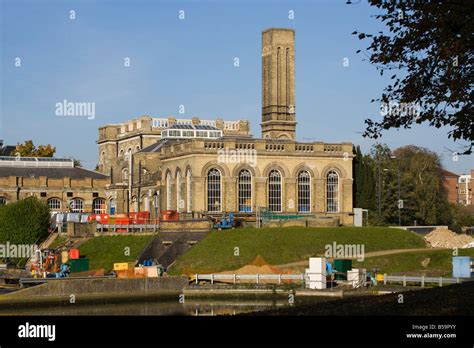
(442, 237)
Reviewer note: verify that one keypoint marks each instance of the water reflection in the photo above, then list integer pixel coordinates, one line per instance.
(190, 307)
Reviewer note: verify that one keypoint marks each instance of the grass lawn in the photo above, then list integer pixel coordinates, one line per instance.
(57, 242)
(103, 252)
(283, 245)
(440, 262)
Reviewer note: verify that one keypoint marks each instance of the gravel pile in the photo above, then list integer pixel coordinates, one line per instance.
(442, 237)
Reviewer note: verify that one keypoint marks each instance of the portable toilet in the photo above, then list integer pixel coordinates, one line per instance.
(461, 266)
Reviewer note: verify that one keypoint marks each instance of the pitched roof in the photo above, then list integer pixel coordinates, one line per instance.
(53, 173)
(445, 172)
(156, 147)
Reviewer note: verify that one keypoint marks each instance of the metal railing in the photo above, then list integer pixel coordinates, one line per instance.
(255, 277)
(423, 280)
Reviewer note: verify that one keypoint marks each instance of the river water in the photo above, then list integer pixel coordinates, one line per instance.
(155, 307)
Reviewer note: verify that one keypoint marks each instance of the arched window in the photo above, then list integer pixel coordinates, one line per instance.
(146, 203)
(189, 192)
(76, 205)
(98, 206)
(332, 192)
(121, 152)
(179, 198)
(112, 207)
(245, 191)
(137, 148)
(274, 191)
(125, 175)
(3, 201)
(304, 192)
(54, 204)
(214, 190)
(168, 191)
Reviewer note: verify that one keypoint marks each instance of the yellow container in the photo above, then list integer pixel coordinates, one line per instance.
(121, 266)
(379, 277)
(64, 256)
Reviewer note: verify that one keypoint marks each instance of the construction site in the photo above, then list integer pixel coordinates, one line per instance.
(142, 260)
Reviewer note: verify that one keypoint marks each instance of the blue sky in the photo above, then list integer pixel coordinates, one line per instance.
(187, 62)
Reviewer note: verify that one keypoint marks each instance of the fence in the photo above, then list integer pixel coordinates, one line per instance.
(413, 279)
(256, 277)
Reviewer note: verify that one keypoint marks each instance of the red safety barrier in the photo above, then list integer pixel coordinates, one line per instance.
(169, 215)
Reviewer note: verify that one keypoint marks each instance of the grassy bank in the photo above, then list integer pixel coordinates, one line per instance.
(103, 252)
(431, 263)
(57, 242)
(217, 251)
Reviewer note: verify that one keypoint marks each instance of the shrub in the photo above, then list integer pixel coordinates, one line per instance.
(24, 222)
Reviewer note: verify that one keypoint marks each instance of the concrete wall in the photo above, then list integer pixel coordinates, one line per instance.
(70, 286)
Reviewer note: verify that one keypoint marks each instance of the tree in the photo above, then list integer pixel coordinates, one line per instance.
(422, 190)
(24, 222)
(28, 149)
(421, 187)
(364, 180)
(429, 48)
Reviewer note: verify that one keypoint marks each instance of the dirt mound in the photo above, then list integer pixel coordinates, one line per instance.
(442, 237)
(264, 267)
(259, 266)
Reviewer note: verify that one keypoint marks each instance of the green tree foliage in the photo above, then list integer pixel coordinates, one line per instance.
(28, 149)
(364, 181)
(463, 216)
(24, 222)
(418, 173)
(421, 185)
(428, 51)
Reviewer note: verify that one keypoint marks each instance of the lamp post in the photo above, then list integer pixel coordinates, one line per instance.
(379, 190)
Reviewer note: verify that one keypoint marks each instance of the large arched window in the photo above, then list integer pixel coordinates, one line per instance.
(189, 192)
(168, 191)
(3, 201)
(245, 191)
(332, 192)
(77, 205)
(179, 197)
(304, 192)
(274, 191)
(214, 190)
(98, 206)
(54, 204)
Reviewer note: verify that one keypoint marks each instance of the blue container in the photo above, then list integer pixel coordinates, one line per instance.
(461, 266)
(329, 269)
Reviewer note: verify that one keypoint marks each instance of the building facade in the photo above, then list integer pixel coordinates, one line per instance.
(459, 187)
(64, 187)
(465, 183)
(214, 166)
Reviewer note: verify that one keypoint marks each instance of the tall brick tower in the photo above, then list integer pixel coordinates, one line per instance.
(278, 83)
